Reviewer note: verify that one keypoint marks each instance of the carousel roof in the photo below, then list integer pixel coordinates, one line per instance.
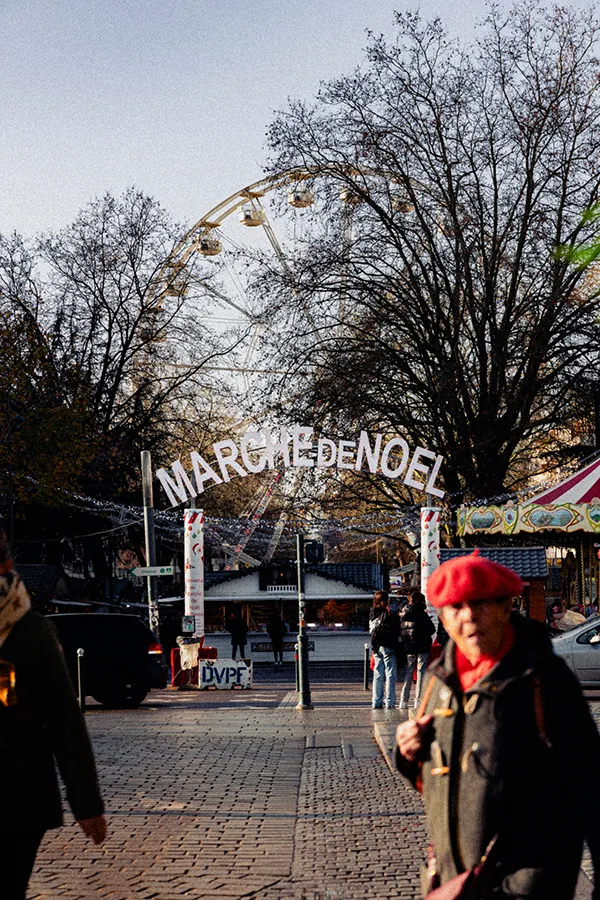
(582, 487)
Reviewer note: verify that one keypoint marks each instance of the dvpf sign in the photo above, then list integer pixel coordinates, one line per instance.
(224, 674)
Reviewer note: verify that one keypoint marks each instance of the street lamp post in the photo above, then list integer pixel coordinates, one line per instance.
(150, 542)
(304, 700)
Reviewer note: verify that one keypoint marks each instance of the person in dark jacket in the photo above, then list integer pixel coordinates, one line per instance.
(503, 719)
(416, 630)
(384, 629)
(276, 630)
(238, 630)
(441, 635)
(41, 728)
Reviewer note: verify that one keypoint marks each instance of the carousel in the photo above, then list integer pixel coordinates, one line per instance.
(566, 519)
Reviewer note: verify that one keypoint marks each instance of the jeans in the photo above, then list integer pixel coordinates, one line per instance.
(236, 647)
(420, 661)
(385, 671)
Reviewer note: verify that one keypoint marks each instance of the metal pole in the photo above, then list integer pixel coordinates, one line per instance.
(304, 701)
(366, 672)
(297, 668)
(81, 679)
(150, 541)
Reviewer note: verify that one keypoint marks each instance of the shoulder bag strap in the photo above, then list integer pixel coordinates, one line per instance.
(426, 696)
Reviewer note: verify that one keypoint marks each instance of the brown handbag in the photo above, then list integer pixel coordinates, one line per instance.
(469, 885)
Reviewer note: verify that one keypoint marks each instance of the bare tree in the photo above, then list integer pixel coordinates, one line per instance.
(128, 325)
(433, 303)
(106, 351)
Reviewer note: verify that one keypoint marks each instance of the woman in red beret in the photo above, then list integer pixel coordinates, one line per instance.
(501, 720)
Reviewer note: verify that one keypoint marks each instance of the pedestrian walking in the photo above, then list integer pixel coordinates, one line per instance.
(41, 729)
(416, 630)
(384, 628)
(238, 630)
(502, 719)
(276, 630)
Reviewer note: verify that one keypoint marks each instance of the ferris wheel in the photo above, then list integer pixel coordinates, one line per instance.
(214, 237)
(252, 218)
(256, 210)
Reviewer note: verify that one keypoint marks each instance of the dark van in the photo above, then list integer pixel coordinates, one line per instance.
(122, 660)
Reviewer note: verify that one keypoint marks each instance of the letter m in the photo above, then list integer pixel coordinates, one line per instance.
(179, 486)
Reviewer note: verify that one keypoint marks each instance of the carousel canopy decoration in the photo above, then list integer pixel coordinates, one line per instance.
(570, 505)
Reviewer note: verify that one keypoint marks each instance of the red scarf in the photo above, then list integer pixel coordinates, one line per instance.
(469, 673)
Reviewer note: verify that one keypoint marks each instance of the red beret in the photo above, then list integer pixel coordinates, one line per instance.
(471, 578)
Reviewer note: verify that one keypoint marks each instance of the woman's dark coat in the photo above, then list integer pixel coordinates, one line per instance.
(45, 725)
(489, 771)
(276, 629)
(416, 629)
(238, 630)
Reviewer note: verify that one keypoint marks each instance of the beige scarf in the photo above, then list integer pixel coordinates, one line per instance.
(14, 602)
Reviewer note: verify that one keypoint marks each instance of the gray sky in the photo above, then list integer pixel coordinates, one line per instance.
(173, 96)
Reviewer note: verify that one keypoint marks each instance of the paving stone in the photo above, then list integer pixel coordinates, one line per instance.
(212, 799)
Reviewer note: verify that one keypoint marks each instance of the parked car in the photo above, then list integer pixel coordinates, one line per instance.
(580, 649)
(122, 658)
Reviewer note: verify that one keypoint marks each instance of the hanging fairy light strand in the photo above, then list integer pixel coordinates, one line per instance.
(371, 524)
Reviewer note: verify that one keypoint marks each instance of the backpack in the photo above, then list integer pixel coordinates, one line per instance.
(381, 632)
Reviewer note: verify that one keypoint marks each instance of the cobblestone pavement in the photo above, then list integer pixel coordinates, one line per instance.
(238, 795)
(594, 698)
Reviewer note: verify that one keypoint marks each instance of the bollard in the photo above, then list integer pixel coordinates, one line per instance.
(367, 667)
(297, 668)
(80, 679)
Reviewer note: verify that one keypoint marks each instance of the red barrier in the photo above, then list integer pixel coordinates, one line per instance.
(179, 676)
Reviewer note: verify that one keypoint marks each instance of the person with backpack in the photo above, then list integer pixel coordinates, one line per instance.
(501, 720)
(416, 630)
(384, 628)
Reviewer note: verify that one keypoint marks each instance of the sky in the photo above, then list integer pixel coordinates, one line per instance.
(172, 96)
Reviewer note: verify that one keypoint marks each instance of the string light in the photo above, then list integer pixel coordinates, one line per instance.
(222, 528)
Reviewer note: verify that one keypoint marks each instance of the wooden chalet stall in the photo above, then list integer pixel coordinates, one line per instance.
(338, 599)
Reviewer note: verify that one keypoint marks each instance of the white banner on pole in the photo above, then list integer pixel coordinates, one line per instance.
(193, 546)
(430, 545)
